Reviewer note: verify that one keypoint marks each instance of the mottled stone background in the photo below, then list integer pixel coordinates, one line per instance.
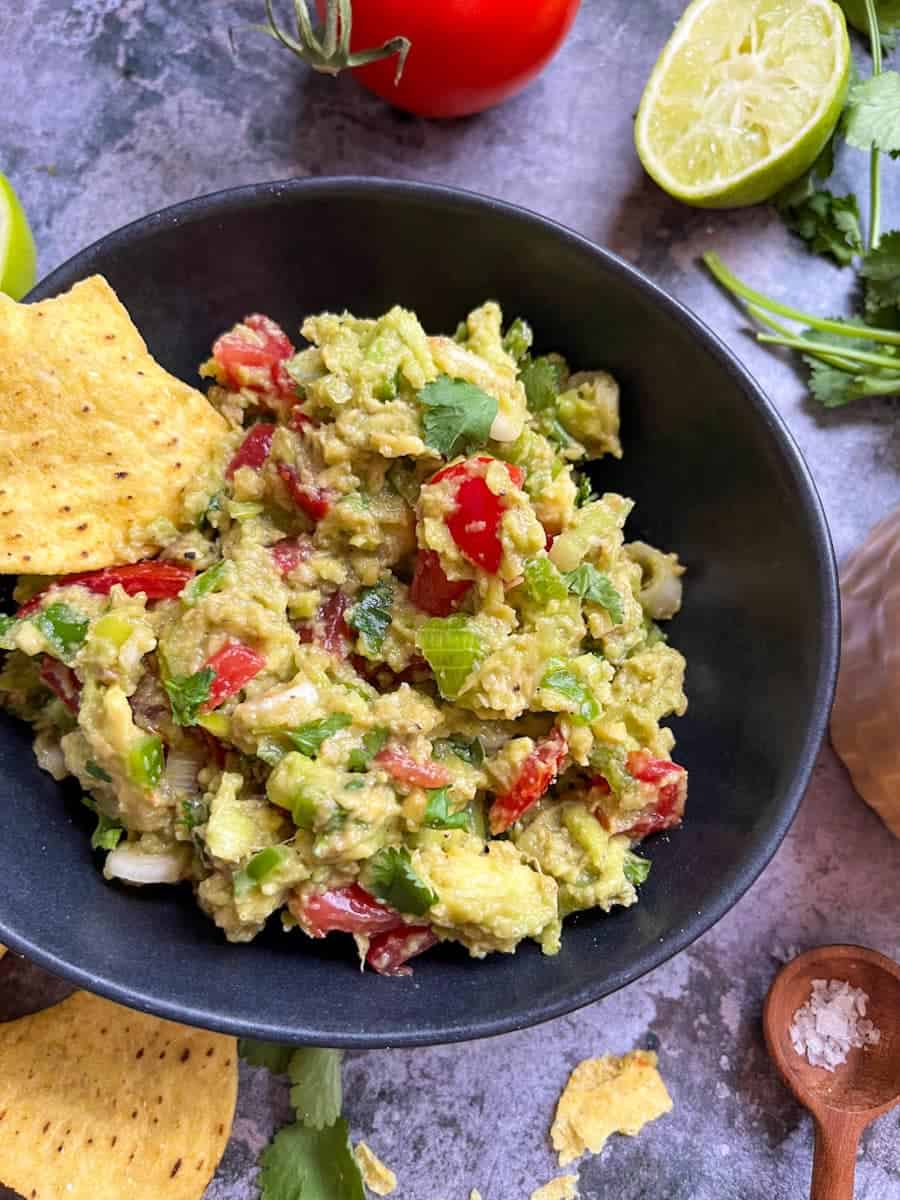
(111, 108)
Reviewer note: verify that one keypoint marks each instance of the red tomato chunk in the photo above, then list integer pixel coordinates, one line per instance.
(62, 681)
(431, 590)
(254, 449)
(389, 952)
(669, 782)
(402, 767)
(538, 773)
(344, 910)
(157, 580)
(234, 665)
(314, 501)
(474, 523)
(254, 356)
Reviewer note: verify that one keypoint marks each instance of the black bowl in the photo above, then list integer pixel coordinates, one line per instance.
(715, 475)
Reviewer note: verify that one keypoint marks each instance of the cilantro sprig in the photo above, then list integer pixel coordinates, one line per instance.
(458, 416)
(854, 357)
(371, 617)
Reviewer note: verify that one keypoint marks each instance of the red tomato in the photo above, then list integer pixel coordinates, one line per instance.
(253, 450)
(62, 681)
(539, 771)
(431, 590)
(290, 552)
(253, 354)
(299, 418)
(389, 952)
(157, 580)
(343, 910)
(234, 666)
(667, 784)
(404, 768)
(475, 521)
(466, 55)
(312, 500)
(334, 631)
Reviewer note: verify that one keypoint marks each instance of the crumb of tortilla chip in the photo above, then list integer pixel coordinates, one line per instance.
(607, 1095)
(564, 1187)
(377, 1177)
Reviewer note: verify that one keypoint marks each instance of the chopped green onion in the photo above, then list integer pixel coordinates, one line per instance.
(543, 582)
(145, 762)
(636, 868)
(452, 649)
(63, 627)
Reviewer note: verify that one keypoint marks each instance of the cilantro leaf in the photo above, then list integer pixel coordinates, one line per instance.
(108, 832)
(636, 868)
(393, 880)
(309, 1164)
(97, 772)
(881, 270)
(470, 750)
(64, 628)
(517, 340)
(541, 380)
(371, 616)
(316, 1095)
(559, 678)
(438, 813)
(203, 585)
(188, 693)
(873, 113)
(597, 588)
(309, 737)
(828, 224)
(265, 1054)
(833, 386)
(458, 416)
(374, 740)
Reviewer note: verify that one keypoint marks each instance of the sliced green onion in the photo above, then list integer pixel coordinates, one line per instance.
(452, 649)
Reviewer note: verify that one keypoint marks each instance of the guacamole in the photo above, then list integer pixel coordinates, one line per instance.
(402, 677)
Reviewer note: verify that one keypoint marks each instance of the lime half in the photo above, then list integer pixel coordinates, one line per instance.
(743, 97)
(17, 255)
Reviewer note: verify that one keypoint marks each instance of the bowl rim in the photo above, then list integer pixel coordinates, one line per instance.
(741, 877)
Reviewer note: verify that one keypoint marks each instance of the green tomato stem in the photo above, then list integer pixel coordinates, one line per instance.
(737, 287)
(330, 53)
(874, 234)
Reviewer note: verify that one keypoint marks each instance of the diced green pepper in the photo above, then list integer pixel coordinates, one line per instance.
(145, 762)
(63, 627)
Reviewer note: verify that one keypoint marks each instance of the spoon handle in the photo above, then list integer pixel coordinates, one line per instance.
(834, 1163)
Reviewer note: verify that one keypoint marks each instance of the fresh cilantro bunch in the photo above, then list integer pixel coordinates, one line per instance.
(858, 356)
(312, 1158)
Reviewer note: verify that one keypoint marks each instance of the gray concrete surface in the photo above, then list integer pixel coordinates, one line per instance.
(111, 108)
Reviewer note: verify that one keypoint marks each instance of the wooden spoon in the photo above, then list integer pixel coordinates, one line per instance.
(845, 1100)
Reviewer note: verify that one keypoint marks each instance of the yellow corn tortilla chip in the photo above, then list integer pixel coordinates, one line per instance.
(607, 1095)
(101, 1103)
(2, 950)
(565, 1187)
(377, 1177)
(97, 440)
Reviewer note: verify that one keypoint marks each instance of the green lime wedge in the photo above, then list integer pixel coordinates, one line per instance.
(742, 99)
(18, 260)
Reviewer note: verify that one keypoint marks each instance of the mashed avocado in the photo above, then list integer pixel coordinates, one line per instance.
(402, 678)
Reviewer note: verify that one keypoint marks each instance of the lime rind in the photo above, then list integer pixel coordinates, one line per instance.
(743, 98)
(18, 257)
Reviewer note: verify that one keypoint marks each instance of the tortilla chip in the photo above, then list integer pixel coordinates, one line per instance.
(2, 951)
(565, 1187)
(101, 1103)
(377, 1177)
(607, 1095)
(97, 441)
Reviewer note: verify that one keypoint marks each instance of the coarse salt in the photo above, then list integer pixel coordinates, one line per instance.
(831, 1022)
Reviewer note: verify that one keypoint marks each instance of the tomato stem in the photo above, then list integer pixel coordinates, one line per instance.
(329, 50)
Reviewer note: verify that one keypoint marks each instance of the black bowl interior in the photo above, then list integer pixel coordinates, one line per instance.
(715, 476)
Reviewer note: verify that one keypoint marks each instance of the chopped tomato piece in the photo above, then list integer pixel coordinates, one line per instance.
(157, 580)
(344, 910)
(290, 552)
(404, 768)
(234, 666)
(253, 450)
(549, 539)
(253, 355)
(389, 952)
(667, 783)
(62, 681)
(335, 633)
(538, 772)
(431, 590)
(475, 521)
(312, 500)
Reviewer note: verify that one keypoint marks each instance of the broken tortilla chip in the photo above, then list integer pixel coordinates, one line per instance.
(377, 1177)
(98, 443)
(100, 1103)
(565, 1187)
(607, 1095)
(2, 950)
